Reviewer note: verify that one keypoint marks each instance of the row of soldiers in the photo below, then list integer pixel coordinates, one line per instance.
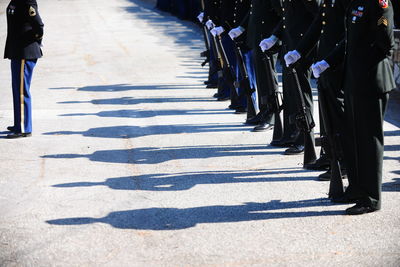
(345, 44)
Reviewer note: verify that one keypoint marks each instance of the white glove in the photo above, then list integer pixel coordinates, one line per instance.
(210, 24)
(217, 31)
(266, 44)
(200, 17)
(291, 57)
(319, 68)
(236, 32)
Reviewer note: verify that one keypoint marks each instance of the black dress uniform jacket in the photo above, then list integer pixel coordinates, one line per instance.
(327, 28)
(25, 30)
(263, 17)
(212, 11)
(297, 16)
(233, 12)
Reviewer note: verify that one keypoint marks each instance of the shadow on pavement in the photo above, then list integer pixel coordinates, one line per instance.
(393, 186)
(130, 87)
(174, 219)
(185, 181)
(138, 131)
(151, 155)
(132, 113)
(135, 100)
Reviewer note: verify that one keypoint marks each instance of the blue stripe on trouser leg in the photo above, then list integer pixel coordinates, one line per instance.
(21, 72)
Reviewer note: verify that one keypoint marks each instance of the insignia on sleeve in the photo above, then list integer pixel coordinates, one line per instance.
(32, 11)
(384, 3)
(383, 21)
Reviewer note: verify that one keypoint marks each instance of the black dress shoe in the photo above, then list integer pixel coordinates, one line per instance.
(11, 128)
(240, 110)
(281, 143)
(345, 199)
(294, 150)
(234, 107)
(18, 135)
(320, 164)
(223, 98)
(359, 209)
(216, 95)
(212, 85)
(252, 121)
(326, 176)
(262, 127)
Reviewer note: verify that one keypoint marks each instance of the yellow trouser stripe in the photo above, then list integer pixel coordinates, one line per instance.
(21, 95)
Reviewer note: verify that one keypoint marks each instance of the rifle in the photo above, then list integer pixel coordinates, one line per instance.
(229, 73)
(205, 53)
(303, 118)
(333, 150)
(251, 94)
(274, 100)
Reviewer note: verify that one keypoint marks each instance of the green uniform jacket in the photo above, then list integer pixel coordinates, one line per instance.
(368, 47)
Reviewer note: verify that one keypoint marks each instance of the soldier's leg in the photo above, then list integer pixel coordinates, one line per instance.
(369, 110)
(22, 71)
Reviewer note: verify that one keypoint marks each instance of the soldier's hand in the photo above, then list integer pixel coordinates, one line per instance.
(319, 68)
(200, 17)
(291, 57)
(219, 30)
(266, 44)
(210, 24)
(236, 32)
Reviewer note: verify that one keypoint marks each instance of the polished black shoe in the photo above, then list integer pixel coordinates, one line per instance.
(281, 143)
(262, 127)
(233, 107)
(345, 199)
(212, 85)
(11, 128)
(320, 164)
(216, 95)
(240, 110)
(252, 121)
(326, 176)
(223, 98)
(294, 150)
(359, 209)
(18, 135)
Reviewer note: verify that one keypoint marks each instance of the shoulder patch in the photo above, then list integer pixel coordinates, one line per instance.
(384, 3)
(32, 11)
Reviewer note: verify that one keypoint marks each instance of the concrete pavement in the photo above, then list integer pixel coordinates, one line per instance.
(133, 163)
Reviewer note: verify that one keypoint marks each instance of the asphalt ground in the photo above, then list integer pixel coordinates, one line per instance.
(133, 163)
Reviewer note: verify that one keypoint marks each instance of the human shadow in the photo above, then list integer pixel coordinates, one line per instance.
(135, 100)
(153, 155)
(187, 180)
(134, 113)
(175, 218)
(393, 186)
(139, 131)
(131, 87)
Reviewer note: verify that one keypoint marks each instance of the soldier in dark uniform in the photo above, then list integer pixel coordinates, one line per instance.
(259, 23)
(296, 19)
(366, 52)
(231, 14)
(24, 36)
(327, 29)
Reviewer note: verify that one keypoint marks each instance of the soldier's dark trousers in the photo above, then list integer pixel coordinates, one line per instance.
(249, 62)
(21, 72)
(364, 111)
(293, 104)
(331, 105)
(230, 53)
(264, 90)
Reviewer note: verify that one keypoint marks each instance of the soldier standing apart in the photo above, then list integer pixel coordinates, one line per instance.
(24, 36)
(368, 79)
(296, 19)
